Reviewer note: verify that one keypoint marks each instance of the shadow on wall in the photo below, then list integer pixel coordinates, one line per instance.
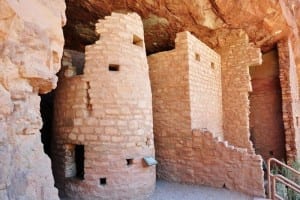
(46, 109)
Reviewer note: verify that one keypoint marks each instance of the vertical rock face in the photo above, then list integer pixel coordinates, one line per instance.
(30, 51)
(103, 117)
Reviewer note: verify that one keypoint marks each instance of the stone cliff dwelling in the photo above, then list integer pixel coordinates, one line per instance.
(100, 99)
(103, 125)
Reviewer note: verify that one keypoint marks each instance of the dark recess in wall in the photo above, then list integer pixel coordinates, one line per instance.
(46, 108)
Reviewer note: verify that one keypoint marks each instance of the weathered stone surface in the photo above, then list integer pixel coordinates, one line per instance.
(265, 22)
(161, 19)
(31, 43)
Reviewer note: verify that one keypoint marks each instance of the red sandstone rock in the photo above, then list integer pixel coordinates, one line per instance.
(264, 21)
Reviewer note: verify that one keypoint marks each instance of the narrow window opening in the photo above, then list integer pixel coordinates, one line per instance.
(297, 121)
(74, 161)
(129, 161)
(79, 160)
(212, 65)
(197, 56)
(114, 67)
(103, 181)
(137, 41)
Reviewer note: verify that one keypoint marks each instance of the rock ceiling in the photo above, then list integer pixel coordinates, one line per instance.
(265, 21)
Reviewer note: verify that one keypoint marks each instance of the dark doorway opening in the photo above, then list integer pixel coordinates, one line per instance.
(266, 122)
(79, 160)
(46, 108)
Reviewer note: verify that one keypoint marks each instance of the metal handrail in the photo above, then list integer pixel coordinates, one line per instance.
(277, 177)
(285, 181)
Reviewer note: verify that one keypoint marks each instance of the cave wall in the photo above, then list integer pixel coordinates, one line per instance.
(30, 51)
(266, 123)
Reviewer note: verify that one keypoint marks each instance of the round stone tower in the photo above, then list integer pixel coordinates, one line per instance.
(103, 129)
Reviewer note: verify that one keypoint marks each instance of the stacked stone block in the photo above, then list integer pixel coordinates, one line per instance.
(205, 89)
(237, 56)
(108, 110)
(187, 80)
(186, 86)
(220, 164)
(290, 99)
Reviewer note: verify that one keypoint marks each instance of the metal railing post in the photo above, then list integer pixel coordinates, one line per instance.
(272, 178)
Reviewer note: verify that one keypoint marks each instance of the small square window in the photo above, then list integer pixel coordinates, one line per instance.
(103, 181)
(129, 161)
(197, 56)
(113, 67)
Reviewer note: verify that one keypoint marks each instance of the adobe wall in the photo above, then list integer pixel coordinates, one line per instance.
(171, 108)
(237, 56)
(31, 46)
(290, 99)
(176, 76)
(205, 87)
(183, 77)
(219, 164)
(182, 86)
(108, 109)
(266, 122)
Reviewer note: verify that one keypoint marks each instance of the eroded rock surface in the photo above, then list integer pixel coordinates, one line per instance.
(265, 22)
(31, 42)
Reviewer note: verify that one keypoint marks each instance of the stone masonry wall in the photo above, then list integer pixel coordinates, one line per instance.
(237, 56)
(290, 99)
(266, 123)
(171, 108)
(31, 45)
(205, 87)
(108, 109)
(176, 76)
(218, 164)
(196, 157)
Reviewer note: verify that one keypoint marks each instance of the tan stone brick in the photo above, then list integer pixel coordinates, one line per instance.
(111, 130)
(72, 136)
